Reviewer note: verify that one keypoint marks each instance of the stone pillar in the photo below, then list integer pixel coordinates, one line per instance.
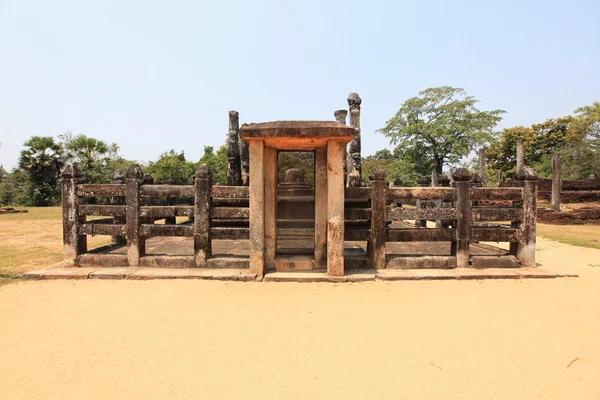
(463, 208)
(434, 178)
(270, 213)
(335, 208)
(73, 243)
(379, 191)
(136, 243)
(526, 248)
(202, 205)
(354, 167)
(421, 223)
(482, 165)
(257, 208)
(321, 206)
(234, 168)
(500, 178)
(556, 182)
(520, 155)
(340, 116)
(118, 179)
(245, 162)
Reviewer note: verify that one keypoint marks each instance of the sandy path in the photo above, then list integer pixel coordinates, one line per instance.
(219, 340)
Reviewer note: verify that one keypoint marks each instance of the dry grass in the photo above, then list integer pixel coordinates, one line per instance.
(576, 235)
(33, 240)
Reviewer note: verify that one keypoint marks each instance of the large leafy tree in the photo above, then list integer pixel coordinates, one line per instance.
(171, 167)
(41, 159)
(217, 163)
(439, 126)
(539, 142)
(395, 164)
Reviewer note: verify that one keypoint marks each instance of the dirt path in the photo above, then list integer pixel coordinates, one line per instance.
(220, 340)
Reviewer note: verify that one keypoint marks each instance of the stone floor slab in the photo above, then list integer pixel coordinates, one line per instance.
(112, 273)
(486, 273)
(302, 277)
(361, 275)
(536, 273)
(415, 274)
(60, 273)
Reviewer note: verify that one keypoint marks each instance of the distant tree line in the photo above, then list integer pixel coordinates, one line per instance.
(36, 179)
(441, 127)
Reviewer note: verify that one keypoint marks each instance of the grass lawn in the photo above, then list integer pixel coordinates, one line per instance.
(576, 235)
(33, 240)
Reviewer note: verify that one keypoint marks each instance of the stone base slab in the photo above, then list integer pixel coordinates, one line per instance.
(229, 274)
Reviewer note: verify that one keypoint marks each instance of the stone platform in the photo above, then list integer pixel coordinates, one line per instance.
(140, 273)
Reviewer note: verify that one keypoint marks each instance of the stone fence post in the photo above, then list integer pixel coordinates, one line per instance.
(460, 249)
(421, 223)
(202, 240)
(73, 243)
(526, 247)
(118, 179)
(136, 243)
(379, 190)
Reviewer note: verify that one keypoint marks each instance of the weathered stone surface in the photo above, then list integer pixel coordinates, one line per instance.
(102, 260)
(60, 273)
(257, 207)
(111, 273)
(556, 182)
(320, 207)
(492, 261)
(421, 262)
(270, 212)
(354, 162)
(335, 208)
(463, 219)
(294, 263)
(526, 246)
(302, 277)
(533, 272)
(415, 274)
(486, 273)
(135, 240)
(73, 243)
(234, 168)
(377, 238)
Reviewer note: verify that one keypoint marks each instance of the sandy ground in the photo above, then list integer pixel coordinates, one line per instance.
(378, 340)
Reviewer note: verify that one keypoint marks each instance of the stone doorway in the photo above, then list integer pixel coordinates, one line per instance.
(295, 210)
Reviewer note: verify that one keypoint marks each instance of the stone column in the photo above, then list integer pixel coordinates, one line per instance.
(354, 148)
(257, 208)
(482, 165)
(500, 178)
(136, 243)
(379, 190)
(526, 247)
(202, 205)
(270, 213)
(73, 243)
(340, 116)
(434, 178)
(335, 208)
(321, 206)
(421, 223)
(463, 208)
(520, 155)
(118, 179)
(244, 161)
(234, 168)
(556, 182)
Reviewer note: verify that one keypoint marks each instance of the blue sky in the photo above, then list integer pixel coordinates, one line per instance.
(153, 76)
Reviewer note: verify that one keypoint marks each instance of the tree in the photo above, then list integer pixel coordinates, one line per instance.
(441, 125)
(394, 164)
(172, 167)
(539, 142)
(42, 160)
(217, 163)
(302, 160)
